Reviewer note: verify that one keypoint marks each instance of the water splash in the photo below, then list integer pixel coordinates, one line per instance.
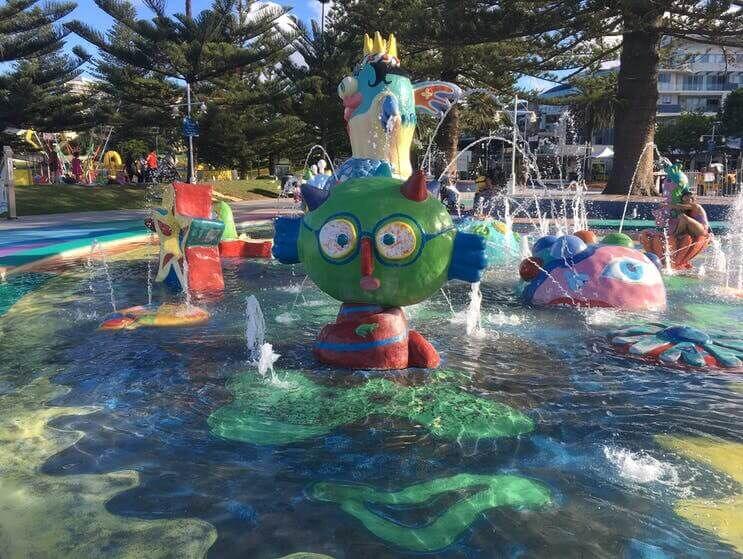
(255, 328)
(260, 353)
(149, 273)
(640, 467)
(448, 302)
(97, 248)
(473, 316)
(327, 158)
(661, 160)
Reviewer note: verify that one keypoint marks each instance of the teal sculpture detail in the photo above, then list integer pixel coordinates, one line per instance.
(379, 105)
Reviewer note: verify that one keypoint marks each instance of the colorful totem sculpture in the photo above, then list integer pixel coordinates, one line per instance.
(377, 244)
(676, 252)
(612, 273)
(189, 239)
(380, 104)
(372, 241)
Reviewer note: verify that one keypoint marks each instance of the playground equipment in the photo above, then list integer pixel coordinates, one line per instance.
(232, 246)
(167, 315)
(502, 245)
(189, 239)
(611, 273)
(378, 243)
(113, 163)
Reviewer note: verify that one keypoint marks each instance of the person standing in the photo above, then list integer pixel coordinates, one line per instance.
(130, 168)
(151, 164)
(77, 168)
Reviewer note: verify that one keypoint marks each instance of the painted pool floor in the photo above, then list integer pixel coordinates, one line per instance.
(27, 244)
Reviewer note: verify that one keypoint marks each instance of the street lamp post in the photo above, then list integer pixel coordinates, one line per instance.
(711, 143)
(191, 177)
(512, 187)
(515, 136)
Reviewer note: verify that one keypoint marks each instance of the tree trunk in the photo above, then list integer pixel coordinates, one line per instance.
(637, 99)
(448, 139)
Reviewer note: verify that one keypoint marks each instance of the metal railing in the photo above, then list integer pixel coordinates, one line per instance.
(715, 184)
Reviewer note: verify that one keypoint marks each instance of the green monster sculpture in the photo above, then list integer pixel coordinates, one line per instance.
(377, 244)
(370, 240)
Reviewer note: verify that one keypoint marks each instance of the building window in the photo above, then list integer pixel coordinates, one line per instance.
(701, 58)
(664, 77)
(716, 82)
(693, 82)
(713, 104)
(692, 103)
(665, 100)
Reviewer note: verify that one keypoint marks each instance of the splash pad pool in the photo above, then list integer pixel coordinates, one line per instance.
(534, 438)
(171, 440)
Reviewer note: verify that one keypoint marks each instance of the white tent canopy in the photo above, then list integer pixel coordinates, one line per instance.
(604, 153)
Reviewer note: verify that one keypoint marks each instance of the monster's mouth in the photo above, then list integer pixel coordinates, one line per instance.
(369, 283)
(350, 103)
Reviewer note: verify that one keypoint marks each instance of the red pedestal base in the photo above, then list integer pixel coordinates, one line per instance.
(245, 249)
(372, 337)
(204, 269)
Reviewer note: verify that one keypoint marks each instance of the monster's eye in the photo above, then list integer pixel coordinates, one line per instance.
(396, 240)
(347, 87)
(338, 238)
(630, 270)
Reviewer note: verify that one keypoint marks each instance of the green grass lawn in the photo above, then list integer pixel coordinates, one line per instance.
(63, 198)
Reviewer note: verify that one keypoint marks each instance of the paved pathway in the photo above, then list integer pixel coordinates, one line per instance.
(29, 239)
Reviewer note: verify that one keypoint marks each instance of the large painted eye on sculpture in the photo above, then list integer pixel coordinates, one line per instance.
(347, 87)
(631, 270)
(396, 240)
(338, 238)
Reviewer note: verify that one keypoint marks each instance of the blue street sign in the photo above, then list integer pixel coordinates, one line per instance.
(190, 127)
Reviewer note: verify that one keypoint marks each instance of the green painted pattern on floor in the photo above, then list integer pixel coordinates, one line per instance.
(497, 491)
(265, 414)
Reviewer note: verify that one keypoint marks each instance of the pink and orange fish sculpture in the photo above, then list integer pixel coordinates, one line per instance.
(612, 273)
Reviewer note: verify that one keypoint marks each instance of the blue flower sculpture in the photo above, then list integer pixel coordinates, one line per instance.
(684, 346)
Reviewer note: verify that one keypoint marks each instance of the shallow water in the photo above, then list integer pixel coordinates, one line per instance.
(533, 440)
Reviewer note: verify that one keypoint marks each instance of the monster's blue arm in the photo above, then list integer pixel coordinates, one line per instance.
(286, 235)
(389, 109)
(468, 260)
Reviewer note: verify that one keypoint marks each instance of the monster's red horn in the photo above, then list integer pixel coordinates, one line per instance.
(415, 187)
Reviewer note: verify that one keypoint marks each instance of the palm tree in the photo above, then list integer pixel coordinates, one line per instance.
(594, 103)
(180, 48)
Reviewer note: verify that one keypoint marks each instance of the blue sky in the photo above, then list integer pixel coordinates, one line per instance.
(88, 12)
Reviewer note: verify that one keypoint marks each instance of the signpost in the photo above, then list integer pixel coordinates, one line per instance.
(7, 186)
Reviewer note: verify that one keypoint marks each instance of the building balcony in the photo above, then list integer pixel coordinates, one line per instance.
(669, 108)
(700, 91)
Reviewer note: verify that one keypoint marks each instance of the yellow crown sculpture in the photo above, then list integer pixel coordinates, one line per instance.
(379, 46)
